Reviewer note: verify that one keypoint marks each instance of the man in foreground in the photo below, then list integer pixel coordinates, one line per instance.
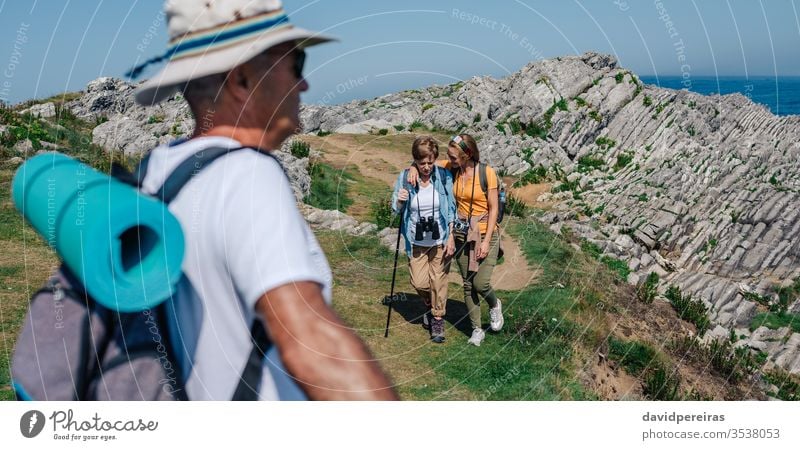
(251, 258)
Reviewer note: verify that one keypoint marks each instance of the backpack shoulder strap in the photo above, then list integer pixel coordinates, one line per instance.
(482, 175)
(188, 168)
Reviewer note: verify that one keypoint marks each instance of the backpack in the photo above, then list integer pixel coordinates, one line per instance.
(501, 190)
(73, 348)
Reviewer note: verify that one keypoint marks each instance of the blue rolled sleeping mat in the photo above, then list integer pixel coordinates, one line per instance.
(125, 247)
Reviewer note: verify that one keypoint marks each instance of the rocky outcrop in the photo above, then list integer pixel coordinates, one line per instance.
(333, 220)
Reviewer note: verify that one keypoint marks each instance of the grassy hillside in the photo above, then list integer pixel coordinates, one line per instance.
(576, 332)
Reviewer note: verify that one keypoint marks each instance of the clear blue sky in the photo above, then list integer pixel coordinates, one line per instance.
(51, 46)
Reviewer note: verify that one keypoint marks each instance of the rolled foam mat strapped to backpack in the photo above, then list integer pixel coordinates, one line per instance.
(126, 247)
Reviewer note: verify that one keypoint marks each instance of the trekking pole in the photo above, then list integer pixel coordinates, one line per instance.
(388, 300)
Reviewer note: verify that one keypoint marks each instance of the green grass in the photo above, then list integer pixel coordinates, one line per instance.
(534, 356)
(534, 175)
(539, 354)
(634, 356)
(329, 187)
(616, 266)
(773, 321)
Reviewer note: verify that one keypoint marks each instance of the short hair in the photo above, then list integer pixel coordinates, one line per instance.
(204, 92)
(423, 147)
(471, 151)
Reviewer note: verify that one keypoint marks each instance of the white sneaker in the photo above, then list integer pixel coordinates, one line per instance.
(477, 337)
(496, 320)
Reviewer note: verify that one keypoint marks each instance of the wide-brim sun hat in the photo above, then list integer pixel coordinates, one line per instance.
(214, 36)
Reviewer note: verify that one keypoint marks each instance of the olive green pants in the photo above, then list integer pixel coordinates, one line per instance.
(480, 282)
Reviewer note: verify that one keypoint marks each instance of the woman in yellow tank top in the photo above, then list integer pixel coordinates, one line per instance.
(475, 231)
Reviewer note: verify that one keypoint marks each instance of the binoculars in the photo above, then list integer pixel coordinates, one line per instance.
(426, 224)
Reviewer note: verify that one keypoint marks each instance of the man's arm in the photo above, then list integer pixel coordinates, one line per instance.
(325, 357)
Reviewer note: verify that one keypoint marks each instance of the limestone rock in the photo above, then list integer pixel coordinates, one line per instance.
(42, 110)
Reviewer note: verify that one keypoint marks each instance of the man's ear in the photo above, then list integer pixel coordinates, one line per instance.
(237, 84)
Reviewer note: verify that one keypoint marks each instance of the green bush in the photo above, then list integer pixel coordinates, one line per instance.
(648, 289)
(417, 125)
(426, 107)
(323, 133)
(661, 384)
(300, 149)
(596, 116)
(604, 141)
(587, 163)
(534, 175)
(399, 127)
(537, 129)
(619, 77)
(383, 216)
(515, 206)
(688, 309)
(788, 385)
(383, 132)
(623, 159)
(562, 105)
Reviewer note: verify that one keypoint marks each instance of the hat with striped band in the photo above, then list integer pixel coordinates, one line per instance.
(214, 36)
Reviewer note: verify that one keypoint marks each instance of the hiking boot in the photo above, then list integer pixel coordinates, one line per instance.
(477, 337)
(496, 320)
(426, 320)
(437, 330)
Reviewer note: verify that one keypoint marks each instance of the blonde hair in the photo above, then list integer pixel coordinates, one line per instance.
(423, 147)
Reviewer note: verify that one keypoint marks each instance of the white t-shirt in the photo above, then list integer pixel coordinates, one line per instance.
(244, 236)
(425, 204)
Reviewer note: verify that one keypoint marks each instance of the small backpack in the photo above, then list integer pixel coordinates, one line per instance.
(501, 190)
(73, 348)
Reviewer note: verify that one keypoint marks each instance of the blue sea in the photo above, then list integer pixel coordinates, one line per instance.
(780, 94)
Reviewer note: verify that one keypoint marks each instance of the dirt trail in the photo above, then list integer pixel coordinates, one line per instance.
(382, 158)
